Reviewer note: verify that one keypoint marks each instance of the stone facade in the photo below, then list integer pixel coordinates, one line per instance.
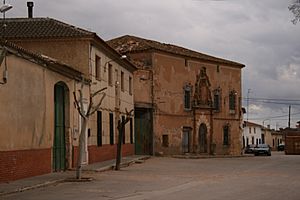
(180, 87)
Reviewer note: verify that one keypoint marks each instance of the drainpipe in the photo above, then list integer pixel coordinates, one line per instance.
(194, 130)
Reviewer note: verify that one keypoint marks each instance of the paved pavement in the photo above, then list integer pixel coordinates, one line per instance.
(273, 177)
(59, 177)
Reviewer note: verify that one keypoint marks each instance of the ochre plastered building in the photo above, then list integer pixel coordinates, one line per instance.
(185, 101)
(87, 53)
(36, 102)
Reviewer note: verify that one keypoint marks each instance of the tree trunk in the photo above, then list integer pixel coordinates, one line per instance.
(119, 147)
(81, 147)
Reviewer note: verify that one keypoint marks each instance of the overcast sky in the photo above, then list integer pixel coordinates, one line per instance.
(257, 33)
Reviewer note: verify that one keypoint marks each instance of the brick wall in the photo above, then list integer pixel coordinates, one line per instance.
(108, 152)
(24, 163)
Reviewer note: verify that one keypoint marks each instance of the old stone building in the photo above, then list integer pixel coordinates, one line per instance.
(36, 113)
(87, 53)
(185, 101)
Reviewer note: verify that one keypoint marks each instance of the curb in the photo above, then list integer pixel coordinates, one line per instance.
(62, 180)
(40, 185)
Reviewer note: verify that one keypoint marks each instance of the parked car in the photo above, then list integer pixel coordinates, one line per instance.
(280, 147)
(249, 148)
(262, 149)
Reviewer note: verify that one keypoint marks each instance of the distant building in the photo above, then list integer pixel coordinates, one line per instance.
(253, 134)
(292, 141)
(185, 101)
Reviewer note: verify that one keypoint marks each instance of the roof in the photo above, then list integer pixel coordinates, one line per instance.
(247, 123)
(42, 60)
(131, 44)
(48, 28)
(40, 28)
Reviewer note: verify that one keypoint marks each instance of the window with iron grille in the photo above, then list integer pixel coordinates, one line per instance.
(98, 67)
(232, 101)
(99, 128)
(111, 128)
(226, 135)
(187, 97)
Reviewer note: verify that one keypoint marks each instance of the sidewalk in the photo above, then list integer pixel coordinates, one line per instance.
(58, 177)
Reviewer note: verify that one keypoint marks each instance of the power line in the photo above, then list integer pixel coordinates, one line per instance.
(274, 117)
(271, 99)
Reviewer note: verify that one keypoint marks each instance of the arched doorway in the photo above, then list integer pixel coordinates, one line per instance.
(59, 143)
(202, 138)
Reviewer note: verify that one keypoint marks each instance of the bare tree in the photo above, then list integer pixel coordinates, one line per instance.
(85, 114)
(121, 130)
(295, 9)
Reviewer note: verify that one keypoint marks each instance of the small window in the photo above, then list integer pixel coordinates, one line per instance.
(226, 135)
(122, 81)
(187, 97)
(130, 85)
(217, 100)
(165, 140)
(232, 101)
(249, 129)
(131, 131)
(124, 132)
(111, 128)
(186, 62)
(99, 128)
(98, 67)
(110, 74)
(218, 68)
(254, 130)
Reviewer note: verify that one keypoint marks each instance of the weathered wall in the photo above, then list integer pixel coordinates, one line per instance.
(171, 74)
(27, 118)
(72, 52)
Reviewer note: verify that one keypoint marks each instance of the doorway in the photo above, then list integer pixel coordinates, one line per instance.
(59, 143)
(202, 138)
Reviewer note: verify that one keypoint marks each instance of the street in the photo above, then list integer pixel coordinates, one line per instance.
(245, 178)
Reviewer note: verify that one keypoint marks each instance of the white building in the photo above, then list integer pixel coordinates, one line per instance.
(253, 134)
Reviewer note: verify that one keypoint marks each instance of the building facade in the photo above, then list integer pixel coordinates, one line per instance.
(253, 134)
(37, 113)
(100, 64)
(185, 101)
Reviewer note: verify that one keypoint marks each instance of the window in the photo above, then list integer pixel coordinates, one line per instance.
(110, 74)
(187, 97)
(98, 67)
(122, 81)
(165, 141)
(226, 135)
(218, 68)
(217, 100)
(124, 128)
(232, 101)
(99, 128)
(249, 129)
(254, 130)
(130, 85)
(111, 128)
(252, 139)
(131, 131)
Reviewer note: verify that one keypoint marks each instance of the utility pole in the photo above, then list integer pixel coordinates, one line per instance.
(289, 122)
(248, 93)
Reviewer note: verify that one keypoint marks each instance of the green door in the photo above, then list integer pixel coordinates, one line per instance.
(59, 146)
(143, 132)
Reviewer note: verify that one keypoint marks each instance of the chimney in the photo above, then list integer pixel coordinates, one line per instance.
(30, 9)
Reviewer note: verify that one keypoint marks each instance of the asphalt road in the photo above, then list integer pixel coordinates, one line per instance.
(248, 178)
